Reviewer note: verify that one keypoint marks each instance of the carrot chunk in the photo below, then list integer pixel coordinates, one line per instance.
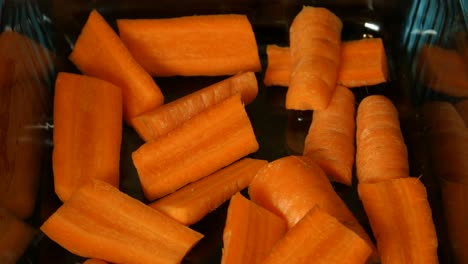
(99, 52)
(206, 44)
(87, 132)
(250, 232)
(278, 69)
(95, 261)
(101, 222)
(191, 203)
(207, 142)
(165, 118)
(15, 238)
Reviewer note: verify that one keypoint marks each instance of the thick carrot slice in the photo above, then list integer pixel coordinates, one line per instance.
(192, 45)
(191, 203)
(250, 232)
(207, 142)
(95, 261)
(165, 118)
(278, 69)
(15, 238)
(462, 109)
(380, 148)
(87, 132)
(101, 222)
(99, 52)
(320, 237)
(401, 220)
(315, 40)
(330, 140)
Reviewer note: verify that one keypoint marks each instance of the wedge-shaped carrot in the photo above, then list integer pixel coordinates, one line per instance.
(87, 132)
(462, 109)
(15, 238)
(380, 148)
(99, 52)
(101, 222)
(165, 118)
(278, 69)
(250, 232)
(202, 145)
(95, 261)
(401, 220)
(191, 203)
(330, 140)
(315, 41)
(192, 45)
(319, 238)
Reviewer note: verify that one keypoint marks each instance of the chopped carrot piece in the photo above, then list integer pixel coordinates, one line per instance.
(315, 40)
(278, 69)
(15, 238)
(320, 237)
(462, 109)
(330, 140)
(192, 45)
(380, 148)
(205, 143)
(191, 203)
(101, 222)
(165, 118)
(87, 132)
(250, 231)
(401, 220)
(99, 52)
(95, 261)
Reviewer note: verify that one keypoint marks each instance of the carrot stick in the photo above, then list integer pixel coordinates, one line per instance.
(320, 237)
(380, 148)
(15, 238)
(99, 52)
(250, 231)
(330, 128)
(462, 109)
(165, 118)
(101, 222)
(401, 220)
(95, 261)
(191, 203)
(315, 40)
(87, 132)
(205, 143)
(192, 45)
(278, 69)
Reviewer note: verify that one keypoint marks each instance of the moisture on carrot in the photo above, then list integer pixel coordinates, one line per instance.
(330, 140)
(202, 145)
(278, 69)
(101, 222)
(206, 45)
(401, 220)
(250, 232)
(87, 132)
(15, 238)
(380, 148)
(99, 52)
(191, 203)
(315, 41)
(320, 237)
(165, 118)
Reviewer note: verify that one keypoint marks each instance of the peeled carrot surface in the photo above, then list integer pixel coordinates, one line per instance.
(207, 45)
(401, 220)
(321, 238)
(278, 69)
(191, 203)
(165, 118)
(15, 238)
(195, 149)
(250, 232)
(101, 222)
(99, 52)
(330, 139)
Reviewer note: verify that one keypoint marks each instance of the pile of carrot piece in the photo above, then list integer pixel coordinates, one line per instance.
(196, 151)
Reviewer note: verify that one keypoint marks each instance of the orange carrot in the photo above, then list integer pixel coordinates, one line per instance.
(278, 69)
(315, 40)
(95, 261)
(165, 118)
(401, 220)
(380, 148)
(191, 203)
(330, 141)
(192, 45)
(319, 238)
(99, 52)
(250, 232)
(462, 109)
(87, 132)
(101, 222)
(205, 143)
